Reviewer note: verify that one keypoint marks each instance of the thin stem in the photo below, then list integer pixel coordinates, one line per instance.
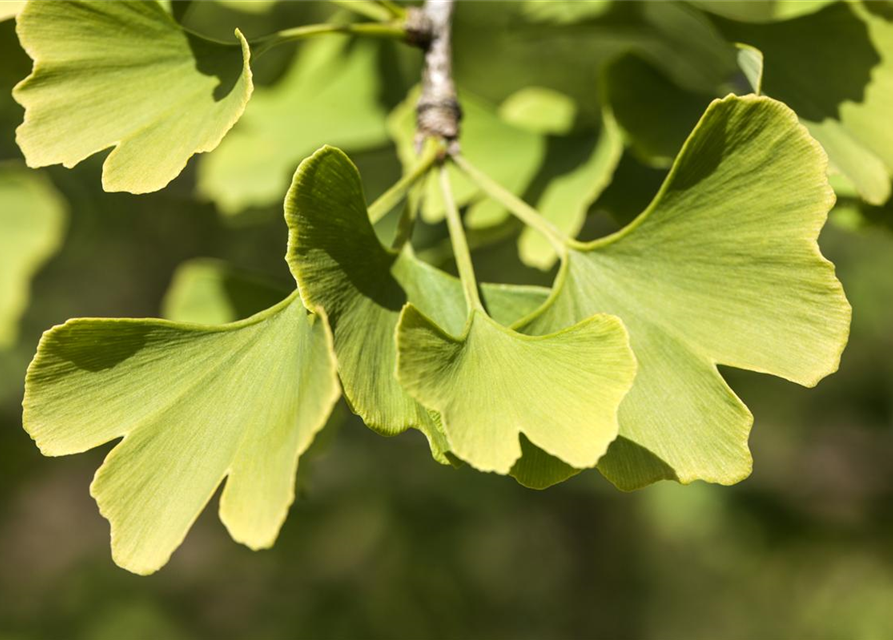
(391, 30)
(460, 244)
(520, 209)
(389, 199)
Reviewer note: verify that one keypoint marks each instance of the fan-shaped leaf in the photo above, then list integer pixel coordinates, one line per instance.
(32, 219)
(195, 404)
(491, 384)
(125, 75)
(722, 268)
(331, 95)
(343, 269)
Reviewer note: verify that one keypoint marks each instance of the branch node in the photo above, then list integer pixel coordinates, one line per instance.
(438, 112)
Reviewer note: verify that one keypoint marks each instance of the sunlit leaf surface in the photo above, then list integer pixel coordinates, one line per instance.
(722, 268)
(490, 384)
(125, 75)
(195, 404)
(342, 268)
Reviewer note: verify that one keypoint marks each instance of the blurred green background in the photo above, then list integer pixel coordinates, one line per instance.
(384, 543)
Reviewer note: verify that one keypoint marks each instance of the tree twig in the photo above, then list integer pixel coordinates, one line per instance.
(438, 111)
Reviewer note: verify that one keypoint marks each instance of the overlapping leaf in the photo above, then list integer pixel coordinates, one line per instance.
(331, 95)
(32, 219)
(722, 268)
(342, 268)
(195, 404)
(491, 384)
(125, 75)
(835, 69)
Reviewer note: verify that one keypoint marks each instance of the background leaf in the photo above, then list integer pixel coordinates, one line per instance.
(32, 221)
(330, 95)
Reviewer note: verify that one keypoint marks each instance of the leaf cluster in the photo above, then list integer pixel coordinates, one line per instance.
(699, 127)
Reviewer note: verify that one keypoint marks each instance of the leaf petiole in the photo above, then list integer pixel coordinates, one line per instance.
(389, 199)
(520, 209)
(461, 252)
(390, 30)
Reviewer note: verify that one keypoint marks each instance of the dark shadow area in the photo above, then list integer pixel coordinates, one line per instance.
(880, 8)
(248, 294)
(15, 65)
(96, 345)
(813, 63)
(631, 191)
(219, 60)
(656, 113)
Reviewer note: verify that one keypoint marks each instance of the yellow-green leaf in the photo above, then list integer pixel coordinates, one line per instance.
(491, 384)
(722, 268)
(125, 75)
(194, 404)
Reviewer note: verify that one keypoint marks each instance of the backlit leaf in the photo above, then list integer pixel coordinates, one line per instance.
(490, 384)
(343, 269)
(722, 268)
(195, 404)
(125, 75)
(331, 95)
(32, 220)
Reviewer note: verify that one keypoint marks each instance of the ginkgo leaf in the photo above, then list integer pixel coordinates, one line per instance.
(10, 8)
(207, 291)
(491, 384)
(722, 268)
(331, 95)
(195, 404)
(834, 68)
(343, 269)
(509, 153)
(32, 220)
(762, 11)
(125, 75)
